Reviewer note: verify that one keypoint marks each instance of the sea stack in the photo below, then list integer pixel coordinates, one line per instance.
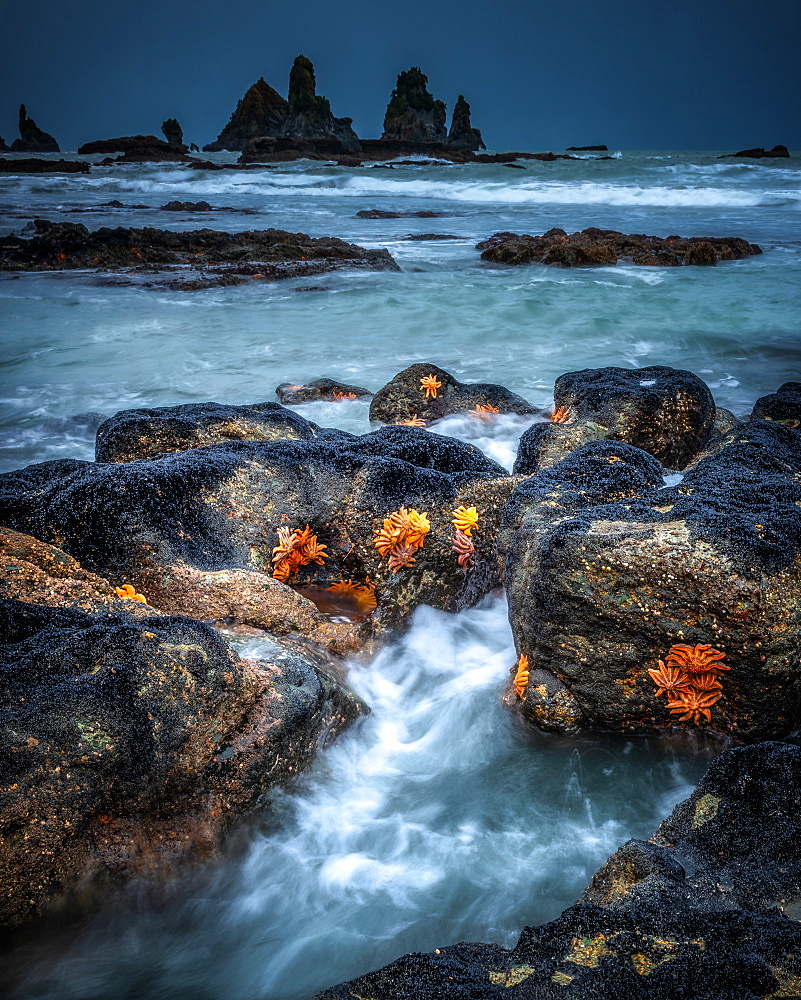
(462, 135)
(173, 133)
(262, 111)
(413, 115)
(31, 138)
(310, 116)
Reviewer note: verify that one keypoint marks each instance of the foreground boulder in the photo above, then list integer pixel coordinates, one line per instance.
(132, 743)
(422, 393)
(708, 908)
(240, 509)
(412, 114)
(31, 138)
(665, 411)
(607, 246)
(260, 254)
(680, 606)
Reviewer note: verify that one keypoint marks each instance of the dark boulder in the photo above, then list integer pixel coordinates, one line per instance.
(262, 111)
(31, 138)
(173, 133)
(462, 135)
(588, 149)
(131, 744)
(284, 149)
(412, 113)
(760, 153)
(145, 433)
(666, 412)
(783, 406)
(135, 148)
(43, 167)
(320, 389)
(607, 246)
(186, 206)
(310, 116)
(424, 392)
(604, 596)
(510, 157)
(391, 148)
(383, 213)
(707, 908)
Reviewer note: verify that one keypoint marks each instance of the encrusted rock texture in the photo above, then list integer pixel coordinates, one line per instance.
(709, 908)
(607, 246)
(321, 389)
(606, 573)
(409, 396)
(130, 744)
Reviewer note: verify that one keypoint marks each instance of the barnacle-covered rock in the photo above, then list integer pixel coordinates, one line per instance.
(603, 587)
(708, 908)
(427, 392)
(132, 434)
(219, 508)
(131, 743)
(666, 412)
(783, 406)
(320, 389)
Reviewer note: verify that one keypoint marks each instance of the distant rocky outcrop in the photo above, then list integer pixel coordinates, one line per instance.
(262, 111)
(588, 149)
(462, 135)
(34, 166)
(310, 115)
(759, 153)
(173, 133)
(135, 148)
(3, 146)
(31, 138)
(413, 115)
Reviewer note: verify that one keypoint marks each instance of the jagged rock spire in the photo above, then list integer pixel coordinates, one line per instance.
(413, 114)
(462, 135)
(31, 138)
(262, 111)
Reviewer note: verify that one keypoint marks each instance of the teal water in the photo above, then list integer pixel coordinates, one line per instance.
(437, 818)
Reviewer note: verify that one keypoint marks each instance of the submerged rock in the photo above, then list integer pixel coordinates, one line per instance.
(708, 908)
(262, 111)
(607, 246)
(424, 392)
(666, 412)
(412, 113)
(602, 589)
(462, 135)
(320, 389)
(267, 253)
(131, 744)
(31, 138)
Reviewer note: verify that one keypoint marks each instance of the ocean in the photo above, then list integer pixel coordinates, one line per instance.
(437, 818)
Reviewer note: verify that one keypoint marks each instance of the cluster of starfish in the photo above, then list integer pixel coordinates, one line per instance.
(339, 396)
(127, 593)
(429, 385)
(401, 535)
(465, 519)
(561, 415)
(689, 679)
(521, 676)
(364, 593)
(484, 411)
(413, 421)
(296, 548)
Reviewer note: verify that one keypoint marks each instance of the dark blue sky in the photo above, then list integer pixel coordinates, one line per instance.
(539, 74)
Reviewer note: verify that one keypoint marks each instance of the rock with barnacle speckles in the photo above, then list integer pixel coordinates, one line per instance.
(606, 571)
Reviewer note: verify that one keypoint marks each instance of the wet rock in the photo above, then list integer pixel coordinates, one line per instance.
(43, 167)
(759, 153)
(412, 113)
(267, 253)
(284, 149)
(262, 111)
(135, 148)
(31, 138)
(406, 397)
(707, 908)
(510, 157)
(320, 389)
(425, 237)
(599, 595)
(462, 135)
(782, 406)
(186, 206)
(381, 213)
(145, 433)
(588, 149)
(666, 412)
(607, 246)
(173, 133)
(131, 744)
(392, 148)
(219, 508)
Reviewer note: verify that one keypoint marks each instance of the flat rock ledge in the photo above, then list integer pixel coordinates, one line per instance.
(207, 258)
(607, 246)
(708, 908)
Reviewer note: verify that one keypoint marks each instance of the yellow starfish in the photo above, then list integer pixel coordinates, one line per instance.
(465, 519)
(521, 676)
(429, 384)
(127, 593)
(402, 532)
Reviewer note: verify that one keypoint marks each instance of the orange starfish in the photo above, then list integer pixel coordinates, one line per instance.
(668, 679)
(464, 547)
(402, 533)
(693, 706)
(465, 519)
(339, 396)
(295, 549)
(561, 415)
(364, 593)
(696, 659)
(521, 676)
(483, 410)
(413, 421)
(430, 384)
(127, 593)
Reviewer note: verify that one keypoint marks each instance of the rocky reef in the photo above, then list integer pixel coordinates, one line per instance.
(413, 115)
(36, 166)
(709, 907)
(607, 246)
(759, 153)
(136, 149)
(31, 138)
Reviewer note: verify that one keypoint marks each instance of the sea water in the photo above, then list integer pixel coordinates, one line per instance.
(437, 818)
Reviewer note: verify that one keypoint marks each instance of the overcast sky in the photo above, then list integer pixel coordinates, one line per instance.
(539, 74)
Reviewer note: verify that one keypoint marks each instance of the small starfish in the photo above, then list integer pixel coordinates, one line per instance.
(127, 593)
(402, 533)
(561, 415)
(401, 556)
(429, 384)
(693, 706)
(364, 593)
(706, 682)
(413, 421)
(521, 676)
(668, 679)
(483, 411)
(464, 547)
(465, 519)
(339, 396)
(696, 659)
